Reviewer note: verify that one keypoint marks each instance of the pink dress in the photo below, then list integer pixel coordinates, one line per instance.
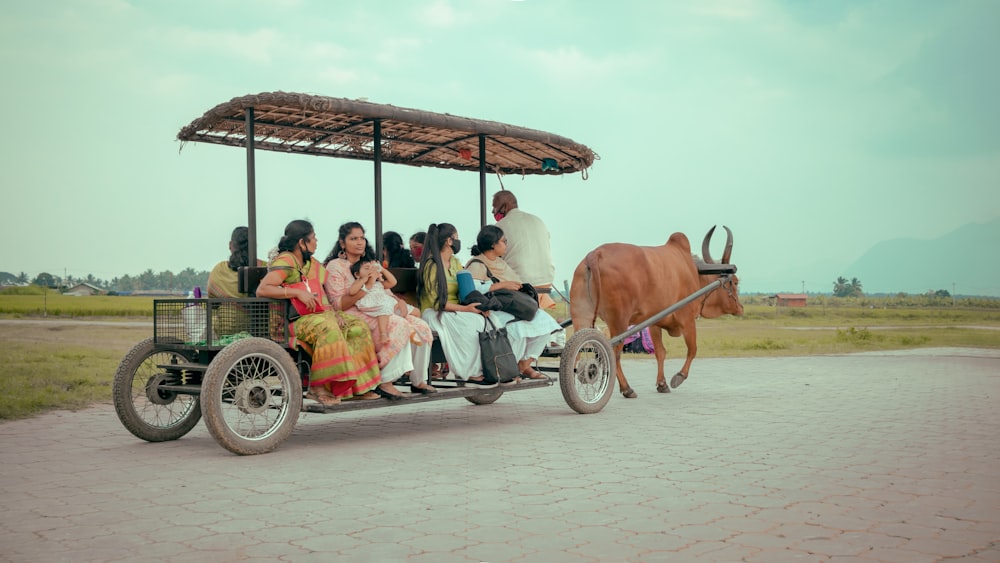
(401, 329)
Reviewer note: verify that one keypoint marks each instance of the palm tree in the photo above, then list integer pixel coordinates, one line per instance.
(841, 288)
(856, 288)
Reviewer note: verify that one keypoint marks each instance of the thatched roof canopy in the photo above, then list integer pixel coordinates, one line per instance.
(338, 127)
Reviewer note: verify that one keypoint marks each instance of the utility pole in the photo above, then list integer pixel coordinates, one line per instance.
(803, 287)
(952, 295)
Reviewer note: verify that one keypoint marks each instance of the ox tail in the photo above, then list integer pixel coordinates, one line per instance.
(585, 292)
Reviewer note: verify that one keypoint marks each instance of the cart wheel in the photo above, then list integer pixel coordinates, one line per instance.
(485, 398)
(251, 396)
(151, 414)
(586, 369)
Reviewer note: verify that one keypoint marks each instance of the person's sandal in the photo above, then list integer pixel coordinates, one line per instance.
(532, 373)
(322, 396)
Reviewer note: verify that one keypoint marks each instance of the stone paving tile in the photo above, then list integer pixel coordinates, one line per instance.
(765, 459)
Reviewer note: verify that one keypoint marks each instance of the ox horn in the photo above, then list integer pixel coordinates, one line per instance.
(728, 252)
(705, 254)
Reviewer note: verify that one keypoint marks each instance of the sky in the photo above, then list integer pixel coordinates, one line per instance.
(813, 129)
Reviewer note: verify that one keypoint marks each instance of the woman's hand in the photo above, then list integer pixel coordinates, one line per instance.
(512, 285)
(471, 308)
(401, 308)
(308, 299)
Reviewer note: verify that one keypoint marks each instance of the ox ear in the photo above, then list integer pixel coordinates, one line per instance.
(728, 252)
(706, 256)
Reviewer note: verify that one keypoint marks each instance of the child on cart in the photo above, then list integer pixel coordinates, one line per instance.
(377, 301)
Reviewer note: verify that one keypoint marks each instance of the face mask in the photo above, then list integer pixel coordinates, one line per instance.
(456, 245)
(498, 215)
(306, 255)
(417, 252)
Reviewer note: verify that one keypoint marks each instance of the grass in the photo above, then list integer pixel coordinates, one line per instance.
(54, 304)
(38, 378)
(58, 366)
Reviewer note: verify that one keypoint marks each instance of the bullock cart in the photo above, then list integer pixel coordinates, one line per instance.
(230, 362)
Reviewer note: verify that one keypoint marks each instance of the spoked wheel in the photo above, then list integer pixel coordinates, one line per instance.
(143, 407)
(251, 396)
(586, 371)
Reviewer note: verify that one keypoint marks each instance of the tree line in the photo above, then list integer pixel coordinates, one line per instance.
(854, 288)
(185, 280)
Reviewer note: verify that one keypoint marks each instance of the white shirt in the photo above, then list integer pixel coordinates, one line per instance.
(528, 247)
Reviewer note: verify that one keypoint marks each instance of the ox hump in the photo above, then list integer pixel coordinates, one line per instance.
(680, 240)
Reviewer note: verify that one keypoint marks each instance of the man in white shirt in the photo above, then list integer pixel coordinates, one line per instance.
(528, 244)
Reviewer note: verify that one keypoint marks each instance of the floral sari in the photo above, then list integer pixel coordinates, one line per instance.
(343, 353)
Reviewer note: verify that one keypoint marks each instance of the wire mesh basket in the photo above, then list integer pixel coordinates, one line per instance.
(215, 323)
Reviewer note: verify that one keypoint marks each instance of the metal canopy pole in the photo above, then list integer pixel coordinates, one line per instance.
(251, 191)
(482, 180)
(377, 159)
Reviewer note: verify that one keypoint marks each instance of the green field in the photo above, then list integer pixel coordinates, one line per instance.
(53, 365)
(54, 304)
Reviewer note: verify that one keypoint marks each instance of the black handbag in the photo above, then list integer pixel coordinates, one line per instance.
(499, 362)
(522, 304)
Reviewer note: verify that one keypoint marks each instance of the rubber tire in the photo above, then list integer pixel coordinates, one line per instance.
(220, 377)
(600, 365)
(183, 410)
(486, 397)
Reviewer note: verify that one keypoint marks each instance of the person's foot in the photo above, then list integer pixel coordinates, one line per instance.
(388, 391)
(423, 388)
(323, 396)
(532, 373)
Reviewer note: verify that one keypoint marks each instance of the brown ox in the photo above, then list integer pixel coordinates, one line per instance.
(626, 285)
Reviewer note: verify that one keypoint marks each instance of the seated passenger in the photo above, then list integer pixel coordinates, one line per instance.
(407, 348)
(393, 253)
(458, 325)
(223, 282)
(487, 265)
(417, 245)
(344, 364)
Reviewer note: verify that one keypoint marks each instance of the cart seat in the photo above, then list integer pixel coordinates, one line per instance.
(249, 278)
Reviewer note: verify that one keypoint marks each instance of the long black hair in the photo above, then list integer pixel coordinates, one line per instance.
(397, 256)
(342, 233)
(239, 245)
(437, 234)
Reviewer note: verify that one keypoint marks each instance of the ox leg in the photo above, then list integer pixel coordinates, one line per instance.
(691, 341)
(661, 354)
(623, 385)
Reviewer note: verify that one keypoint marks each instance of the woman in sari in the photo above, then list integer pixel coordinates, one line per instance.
(407, 348)
(343, 355)
(488, 267)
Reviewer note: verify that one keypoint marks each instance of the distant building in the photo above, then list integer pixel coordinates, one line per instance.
(85, 289)
(790, 299)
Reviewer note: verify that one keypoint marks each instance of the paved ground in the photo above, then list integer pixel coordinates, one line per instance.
(868, 457)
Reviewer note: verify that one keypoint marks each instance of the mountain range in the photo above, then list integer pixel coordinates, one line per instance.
(963, 262)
